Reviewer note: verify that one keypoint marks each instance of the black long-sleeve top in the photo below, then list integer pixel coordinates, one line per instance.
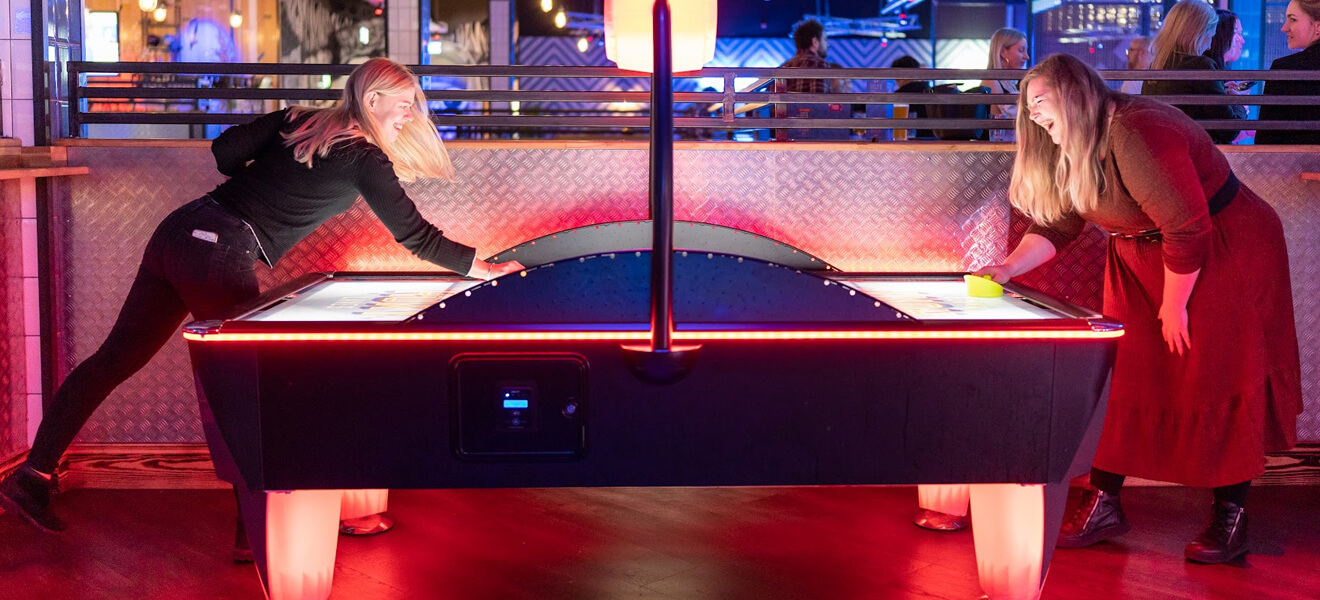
(1189, 87)
(1307, 59)
(284, 200)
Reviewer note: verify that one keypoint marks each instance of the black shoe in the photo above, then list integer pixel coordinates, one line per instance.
(1224, 540)
(27, 494)
(1098, 517)
(242, 549)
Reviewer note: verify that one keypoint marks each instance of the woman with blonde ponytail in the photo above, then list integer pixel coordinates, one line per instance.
(289, 172)
(1207, 378)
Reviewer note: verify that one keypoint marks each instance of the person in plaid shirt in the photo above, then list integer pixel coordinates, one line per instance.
(809, 36)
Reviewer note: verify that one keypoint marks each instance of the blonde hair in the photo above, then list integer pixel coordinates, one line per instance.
(1188, 29)
(417, 152)
(1003, 38)
(1051, 180)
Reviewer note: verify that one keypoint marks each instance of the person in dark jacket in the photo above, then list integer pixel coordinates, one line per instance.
(289, 172)
(1186, 35)
(1301, 26)
(913, 86)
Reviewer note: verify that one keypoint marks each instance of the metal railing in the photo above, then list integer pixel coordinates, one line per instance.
(232, 93)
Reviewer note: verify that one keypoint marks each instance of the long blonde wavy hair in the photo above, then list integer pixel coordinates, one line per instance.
(1188, 29)
(1051, 180)
(417, 152)
(1004, 37)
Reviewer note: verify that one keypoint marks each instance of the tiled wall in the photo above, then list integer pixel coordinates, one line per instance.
(16, 68)
(401, 20)
(20, 342)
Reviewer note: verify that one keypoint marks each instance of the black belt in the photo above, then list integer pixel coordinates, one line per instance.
(1216, 203)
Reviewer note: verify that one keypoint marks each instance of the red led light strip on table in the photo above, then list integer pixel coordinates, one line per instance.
(688, 336)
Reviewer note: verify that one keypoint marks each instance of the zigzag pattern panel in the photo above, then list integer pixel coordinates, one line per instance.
(731, 52)
(962, 54)
(872, 53)
(752, 52)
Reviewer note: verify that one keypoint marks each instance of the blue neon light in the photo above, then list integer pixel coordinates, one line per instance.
(515, 403)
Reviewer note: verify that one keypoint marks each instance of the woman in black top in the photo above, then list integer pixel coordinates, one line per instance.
(289, 172)
(1301, 25)
(1186, 35)
(1225, 49)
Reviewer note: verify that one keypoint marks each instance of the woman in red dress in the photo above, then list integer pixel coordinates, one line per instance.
(1207, 377)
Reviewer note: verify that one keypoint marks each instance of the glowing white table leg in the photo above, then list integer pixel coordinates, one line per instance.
(363, 503)
(948, 499)
(1014, 533)
(302, 532)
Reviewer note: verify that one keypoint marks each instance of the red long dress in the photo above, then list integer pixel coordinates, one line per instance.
(1206, 418)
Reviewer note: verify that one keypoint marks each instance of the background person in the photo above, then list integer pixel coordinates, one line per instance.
(1301, 26)
(812, 46)
(1225, 49)
(1138, 58)
(1180, 44)
(1008, 50)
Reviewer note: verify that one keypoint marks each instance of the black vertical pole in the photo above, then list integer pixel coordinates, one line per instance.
(660, 362)
(662, 182)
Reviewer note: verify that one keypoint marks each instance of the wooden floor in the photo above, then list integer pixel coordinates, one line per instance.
(712, 543)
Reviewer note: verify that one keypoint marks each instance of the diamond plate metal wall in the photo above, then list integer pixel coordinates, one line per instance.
(13, 369)
(877, 210)
(1276, 178)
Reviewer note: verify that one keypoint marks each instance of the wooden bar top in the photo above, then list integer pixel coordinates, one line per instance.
(24, 172)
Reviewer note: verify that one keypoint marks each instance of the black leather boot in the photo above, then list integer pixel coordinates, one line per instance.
(1224, 539)
(27, 494)
(1098, 517)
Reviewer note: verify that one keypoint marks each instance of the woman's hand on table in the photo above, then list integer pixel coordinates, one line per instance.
(488, 271)
(504, 268)
(998, 273)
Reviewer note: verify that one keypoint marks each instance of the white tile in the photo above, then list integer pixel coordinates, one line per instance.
(27, 197)
(20, 19)
(33, 416)
(8, 107)
(32, 354)
(29, 243)
(31, 306)
(22, 121)
(20, 70)
(6, 69)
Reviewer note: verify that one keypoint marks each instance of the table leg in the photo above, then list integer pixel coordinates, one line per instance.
(302, 531)
(363, 503)
(1014, 529)
(948, 499)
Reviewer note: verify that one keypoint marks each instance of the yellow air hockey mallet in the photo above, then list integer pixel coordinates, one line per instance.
(982, 287)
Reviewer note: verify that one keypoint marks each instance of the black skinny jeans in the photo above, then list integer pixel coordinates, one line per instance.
(200, 260)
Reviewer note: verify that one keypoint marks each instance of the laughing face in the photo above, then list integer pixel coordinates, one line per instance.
(391, 112)
(1044, 111)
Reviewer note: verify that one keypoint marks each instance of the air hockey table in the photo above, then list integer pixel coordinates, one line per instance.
(797, 377)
